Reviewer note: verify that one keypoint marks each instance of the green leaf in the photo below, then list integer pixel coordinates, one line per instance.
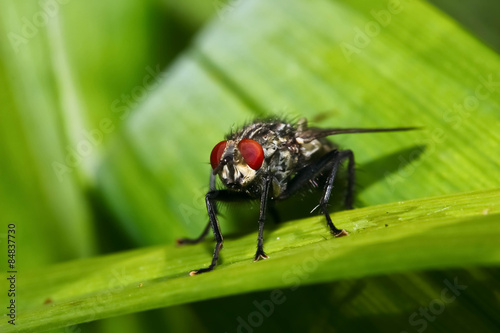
(65, 67)
(301, 60)
(458, 231)
(479, 19)
(340, 63)
(49, 212)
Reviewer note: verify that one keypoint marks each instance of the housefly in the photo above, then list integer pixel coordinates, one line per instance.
(271, 160)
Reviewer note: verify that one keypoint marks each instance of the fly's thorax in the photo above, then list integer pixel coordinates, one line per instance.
(309, 149)
(275, 148)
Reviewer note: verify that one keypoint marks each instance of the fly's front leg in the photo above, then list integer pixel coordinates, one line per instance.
(190, 241)
(212, 216)
(211, 198)
(260, 254)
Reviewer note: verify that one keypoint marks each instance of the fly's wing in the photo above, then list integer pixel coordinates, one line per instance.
(313, 133)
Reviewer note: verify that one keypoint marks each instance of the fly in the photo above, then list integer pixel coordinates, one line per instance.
(271, 161)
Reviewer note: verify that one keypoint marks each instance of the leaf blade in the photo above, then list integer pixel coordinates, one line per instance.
(156, 277)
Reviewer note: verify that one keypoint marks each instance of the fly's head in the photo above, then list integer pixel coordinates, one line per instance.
(237, 162)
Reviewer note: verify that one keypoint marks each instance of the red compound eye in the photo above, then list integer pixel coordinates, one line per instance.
(216, 154)
(252, 153)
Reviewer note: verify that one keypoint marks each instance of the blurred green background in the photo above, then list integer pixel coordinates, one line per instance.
(71, 81)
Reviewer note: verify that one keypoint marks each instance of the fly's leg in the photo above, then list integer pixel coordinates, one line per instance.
(328, 163)
(210, 199)
(212, 215)
(260, 254)
(191, 241)
(351, 178)
(340, 156)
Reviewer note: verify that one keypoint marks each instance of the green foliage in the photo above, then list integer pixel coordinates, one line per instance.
(384, 239)
(105, 143)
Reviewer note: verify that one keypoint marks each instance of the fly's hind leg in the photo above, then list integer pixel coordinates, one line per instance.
(330, 163)
(323, 204)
